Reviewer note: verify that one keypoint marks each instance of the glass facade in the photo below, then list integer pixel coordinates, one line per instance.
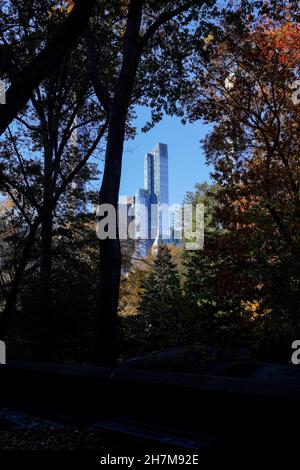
(152, 217)
(161, 173)
(141, 223)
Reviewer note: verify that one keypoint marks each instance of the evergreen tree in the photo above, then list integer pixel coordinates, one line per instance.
(161, 305)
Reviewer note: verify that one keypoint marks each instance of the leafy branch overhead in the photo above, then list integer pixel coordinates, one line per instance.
(24, 79)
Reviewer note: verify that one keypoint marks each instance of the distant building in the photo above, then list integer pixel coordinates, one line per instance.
(149, 207)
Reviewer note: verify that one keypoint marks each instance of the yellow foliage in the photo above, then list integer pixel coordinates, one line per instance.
(63, 9)
(131, 292)
(209, 38)
(254, 309)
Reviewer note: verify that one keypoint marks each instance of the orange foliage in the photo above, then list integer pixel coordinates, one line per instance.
(281, 41)
(69, 5)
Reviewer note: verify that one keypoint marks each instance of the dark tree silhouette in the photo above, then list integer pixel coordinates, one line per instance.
(25, 80)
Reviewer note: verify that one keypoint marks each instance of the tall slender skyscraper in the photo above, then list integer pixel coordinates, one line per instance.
(152, 218)
(161, 173)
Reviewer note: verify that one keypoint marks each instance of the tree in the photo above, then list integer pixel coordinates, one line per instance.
(213, 285)
(206, 194)
(162, 306)
(20, 27)
(132, 288)
(154, 55)
(149, 69)
(247, 93)
(69, 334)
(51, 143)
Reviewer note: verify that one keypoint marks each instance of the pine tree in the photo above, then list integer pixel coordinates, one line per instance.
(161, 305)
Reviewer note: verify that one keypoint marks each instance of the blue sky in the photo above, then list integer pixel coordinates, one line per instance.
(186, 160)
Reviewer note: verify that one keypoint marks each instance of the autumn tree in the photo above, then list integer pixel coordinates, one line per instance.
(248, 92)
(132, 288)
(247, 88)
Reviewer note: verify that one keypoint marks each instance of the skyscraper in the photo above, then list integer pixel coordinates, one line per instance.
(151, 202)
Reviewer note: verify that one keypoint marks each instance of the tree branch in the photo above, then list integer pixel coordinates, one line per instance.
(45, 63)
(100, 90)
(167, 16)
(69, 178)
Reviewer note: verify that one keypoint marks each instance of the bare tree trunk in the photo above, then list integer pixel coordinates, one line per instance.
(47, 210)
(46, 248)
(110, 252)
(44, 348)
